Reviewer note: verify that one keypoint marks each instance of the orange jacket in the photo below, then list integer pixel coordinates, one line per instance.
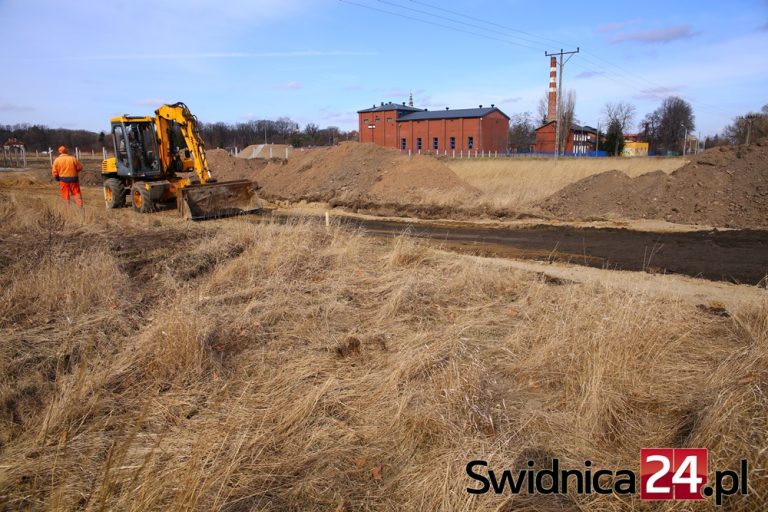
(66, 168)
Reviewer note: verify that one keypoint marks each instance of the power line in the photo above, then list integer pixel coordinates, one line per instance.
(629, 79)
(492, 23)
(481, 27)
(432, 23)
(506, 27)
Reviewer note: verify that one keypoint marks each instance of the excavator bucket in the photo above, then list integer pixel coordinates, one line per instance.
(217, 199)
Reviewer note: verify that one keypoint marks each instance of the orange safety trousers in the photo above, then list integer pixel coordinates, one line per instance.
(71, 189)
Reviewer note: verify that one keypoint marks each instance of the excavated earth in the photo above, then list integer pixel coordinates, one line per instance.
(726, 186)
(361, 176)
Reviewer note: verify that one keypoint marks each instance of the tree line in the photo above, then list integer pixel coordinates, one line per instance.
(280, 131)
(216, 135)
(664, 129)
(40, 138)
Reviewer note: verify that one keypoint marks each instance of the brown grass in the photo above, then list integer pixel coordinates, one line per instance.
(520, 182)
(236, 366)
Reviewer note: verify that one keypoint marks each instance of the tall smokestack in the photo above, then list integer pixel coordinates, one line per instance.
(552, 108)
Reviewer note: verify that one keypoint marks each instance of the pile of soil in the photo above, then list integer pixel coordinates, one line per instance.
(225, 167)
(264, 151)
(726, 186)
(345, 174)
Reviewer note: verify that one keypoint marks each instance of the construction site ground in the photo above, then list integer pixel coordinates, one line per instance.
(273, 362)
(738, 256)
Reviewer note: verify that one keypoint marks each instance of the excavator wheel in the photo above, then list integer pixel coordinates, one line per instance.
(142, 202)
(114, 193)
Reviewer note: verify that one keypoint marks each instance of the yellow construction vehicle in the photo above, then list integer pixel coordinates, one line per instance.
(161, 159)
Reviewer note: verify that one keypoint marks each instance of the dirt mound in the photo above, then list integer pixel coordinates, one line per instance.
(344, 174)
(14, 179)
(266, 151)
(225, 167)
(353, 171)
(724, 186)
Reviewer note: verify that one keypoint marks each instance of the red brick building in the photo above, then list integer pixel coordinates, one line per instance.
(581, 140)
(444, 131)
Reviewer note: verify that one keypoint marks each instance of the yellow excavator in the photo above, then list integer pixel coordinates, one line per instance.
(161, 159)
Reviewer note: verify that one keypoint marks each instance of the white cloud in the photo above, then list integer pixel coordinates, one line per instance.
(10, 107)
(222, 55)
(659, 35)
(660, 92)
(612, 27)
(589, 74)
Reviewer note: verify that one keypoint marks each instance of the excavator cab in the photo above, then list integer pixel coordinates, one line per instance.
(162, 159)
(135, 145)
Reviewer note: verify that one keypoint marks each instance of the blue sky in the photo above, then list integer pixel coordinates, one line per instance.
(76, 64)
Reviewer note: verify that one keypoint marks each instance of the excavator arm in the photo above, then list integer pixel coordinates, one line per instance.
(208, 198)
(179, 114)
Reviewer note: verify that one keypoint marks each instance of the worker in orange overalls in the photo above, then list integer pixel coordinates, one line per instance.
(65, 170)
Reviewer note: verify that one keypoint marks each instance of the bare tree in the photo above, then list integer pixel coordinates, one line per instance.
(522, 132)
(622, 113)
(567, 117)
(667, 125)
(749, 127)
(619, 117)
(542, 108)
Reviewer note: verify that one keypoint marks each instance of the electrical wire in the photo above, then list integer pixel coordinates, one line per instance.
(622, 76)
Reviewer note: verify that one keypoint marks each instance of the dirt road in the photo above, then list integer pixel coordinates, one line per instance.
(739, 256)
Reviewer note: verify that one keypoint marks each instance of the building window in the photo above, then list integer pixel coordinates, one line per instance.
(389, 119)
(470, 142)
(435, 143)
(403, 143)
(365, 121)
(453, 142)
(418, 143)
(378, 119)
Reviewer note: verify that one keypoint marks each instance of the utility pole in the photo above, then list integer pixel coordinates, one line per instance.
(685, 138)
(559, 108)
(597, 138)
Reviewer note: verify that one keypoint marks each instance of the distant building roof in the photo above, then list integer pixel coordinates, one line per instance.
(450, 114)
(574, 127)
(390, 106)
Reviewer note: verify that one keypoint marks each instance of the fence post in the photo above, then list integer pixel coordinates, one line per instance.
(453, 154)
(104, 152)
(409, 152)
(24, 154)
(50, 155)
(270, 151)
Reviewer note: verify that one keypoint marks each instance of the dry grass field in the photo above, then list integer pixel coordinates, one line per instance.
(518, 183)
(152, 364)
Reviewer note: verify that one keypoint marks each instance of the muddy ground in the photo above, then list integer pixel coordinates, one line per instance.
(738, 256)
